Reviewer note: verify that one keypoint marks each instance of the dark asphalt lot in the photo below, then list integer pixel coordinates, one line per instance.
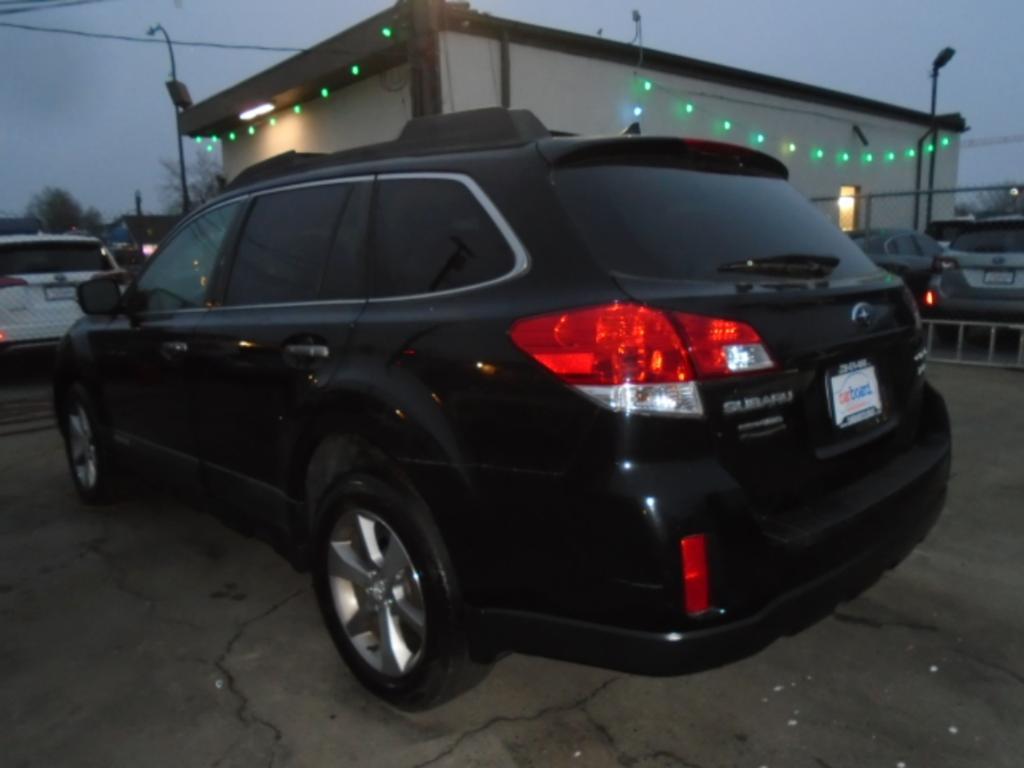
(147, 634)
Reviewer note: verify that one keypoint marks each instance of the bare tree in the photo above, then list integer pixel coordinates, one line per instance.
(60, 211)
(205, 181)
(993, 202)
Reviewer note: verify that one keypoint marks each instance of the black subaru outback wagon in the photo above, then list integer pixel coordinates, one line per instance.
(625, 401)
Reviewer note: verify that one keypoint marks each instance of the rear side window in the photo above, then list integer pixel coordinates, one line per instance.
(904, 245)
(285, 245)
(1009, 240)
(52, 257)
(674, 223)
(432, 235)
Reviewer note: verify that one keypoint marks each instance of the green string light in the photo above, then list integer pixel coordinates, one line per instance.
(355, 70)
(324, 93)
(648, 85)
(929, 148)
(297, 109)
(199, 139)
(911, 153)
(689, 108)
(945, 141)
(890, 156)
(759, 138)
(869, 157)
(727, 125)
(791, 147)
(386, 32)
(818, 153)
(214, 139)
(252, 130)
(844, 157)
(232, 136)
(209, 147)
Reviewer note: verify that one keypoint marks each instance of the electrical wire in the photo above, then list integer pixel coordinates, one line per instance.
(149, 40)
(41, 5)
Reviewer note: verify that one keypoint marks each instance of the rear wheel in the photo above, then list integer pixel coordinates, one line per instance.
(87, 460)
(388, 593)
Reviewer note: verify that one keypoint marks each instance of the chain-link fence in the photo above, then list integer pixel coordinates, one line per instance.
(917, 209)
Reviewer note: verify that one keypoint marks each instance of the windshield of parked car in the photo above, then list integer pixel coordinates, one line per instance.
(676, 223)
(994, 240)
(29, 259)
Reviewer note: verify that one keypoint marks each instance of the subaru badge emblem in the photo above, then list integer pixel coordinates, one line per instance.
(863, 314)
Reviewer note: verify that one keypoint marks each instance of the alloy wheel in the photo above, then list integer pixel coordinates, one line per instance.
(82, 444)
(377, 593)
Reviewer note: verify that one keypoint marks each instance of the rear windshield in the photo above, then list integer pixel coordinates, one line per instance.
(50, 257)
(674, 223)
(1009, 240)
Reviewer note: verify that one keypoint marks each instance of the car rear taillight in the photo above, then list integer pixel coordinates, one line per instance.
(11, 282)
(3, 336)
(942, 263)
(696, 579)
(931, 298)
(633, 358)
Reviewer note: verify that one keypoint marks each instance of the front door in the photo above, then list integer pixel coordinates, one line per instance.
(145, 357)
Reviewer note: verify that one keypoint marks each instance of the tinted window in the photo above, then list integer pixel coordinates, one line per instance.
(52, 257)
(285, 244)
(345, 277)
(179, 275)
(432, 235)
(682, 224)
(991, 241)
(904, 245)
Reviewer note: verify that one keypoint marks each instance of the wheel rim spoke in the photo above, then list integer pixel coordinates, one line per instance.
(82, 448)
(394, 653)
(394, 560)
(368, 536)
(345, 563)
(410, 614)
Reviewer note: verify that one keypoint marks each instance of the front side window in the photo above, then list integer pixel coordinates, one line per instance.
(432, 235)
(284, 247)
(179, 277)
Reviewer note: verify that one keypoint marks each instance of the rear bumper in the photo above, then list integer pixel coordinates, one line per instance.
(902, 514)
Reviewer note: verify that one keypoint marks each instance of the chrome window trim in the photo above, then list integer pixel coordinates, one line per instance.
(521, 259)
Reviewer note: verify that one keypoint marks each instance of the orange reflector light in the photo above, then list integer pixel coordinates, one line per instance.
(3, 336)
(930, 298)
(696, 582)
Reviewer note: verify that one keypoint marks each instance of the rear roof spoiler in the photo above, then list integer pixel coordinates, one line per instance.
(698, 153)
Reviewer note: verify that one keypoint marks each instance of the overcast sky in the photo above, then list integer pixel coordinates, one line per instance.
(93, 116)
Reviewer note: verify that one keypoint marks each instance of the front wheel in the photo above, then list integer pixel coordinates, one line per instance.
(388, 593)
(87, 459)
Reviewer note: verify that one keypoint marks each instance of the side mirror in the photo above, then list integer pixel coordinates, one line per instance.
(100, 296)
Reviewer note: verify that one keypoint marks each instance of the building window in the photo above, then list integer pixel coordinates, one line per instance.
(848, 199)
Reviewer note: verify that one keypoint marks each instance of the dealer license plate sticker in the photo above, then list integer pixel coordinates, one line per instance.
(855, 395)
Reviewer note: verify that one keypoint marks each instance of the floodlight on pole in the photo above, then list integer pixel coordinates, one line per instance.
(182, 100)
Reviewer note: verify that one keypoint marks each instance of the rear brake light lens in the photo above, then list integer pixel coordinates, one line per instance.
(633, 358)
(696, 579)
(931, 298)
(724, 347)
(11, 282)
(942, 263)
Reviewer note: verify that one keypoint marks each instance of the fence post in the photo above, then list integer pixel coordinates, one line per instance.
(867, 214)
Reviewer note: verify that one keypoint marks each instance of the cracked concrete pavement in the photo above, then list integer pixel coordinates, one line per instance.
(148, 634)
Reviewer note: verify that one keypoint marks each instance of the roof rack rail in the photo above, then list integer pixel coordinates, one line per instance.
(286, 162)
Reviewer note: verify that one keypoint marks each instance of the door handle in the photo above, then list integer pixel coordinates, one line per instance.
(307, 351)
(172, 350)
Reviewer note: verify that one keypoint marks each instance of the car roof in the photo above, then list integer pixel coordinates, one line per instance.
(47, 239)
(866, 233)
(452, 139)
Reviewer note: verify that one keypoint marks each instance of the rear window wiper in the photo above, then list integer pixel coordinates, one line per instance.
(793, 265)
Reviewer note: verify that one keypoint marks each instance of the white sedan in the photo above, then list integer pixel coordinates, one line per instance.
(38, 278)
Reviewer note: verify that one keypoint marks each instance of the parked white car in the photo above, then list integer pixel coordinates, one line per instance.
(38, 278)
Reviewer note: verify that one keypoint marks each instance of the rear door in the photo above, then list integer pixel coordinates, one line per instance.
(294, 290)
(37, 285)
(750, 248)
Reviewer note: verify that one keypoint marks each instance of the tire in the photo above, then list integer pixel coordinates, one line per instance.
(381, 569)
(88, 459)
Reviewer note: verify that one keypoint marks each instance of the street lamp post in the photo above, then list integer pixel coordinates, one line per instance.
(945, 56)
(182, 101)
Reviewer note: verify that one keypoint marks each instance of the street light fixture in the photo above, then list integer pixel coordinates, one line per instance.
(182, 100)
(945, 56)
